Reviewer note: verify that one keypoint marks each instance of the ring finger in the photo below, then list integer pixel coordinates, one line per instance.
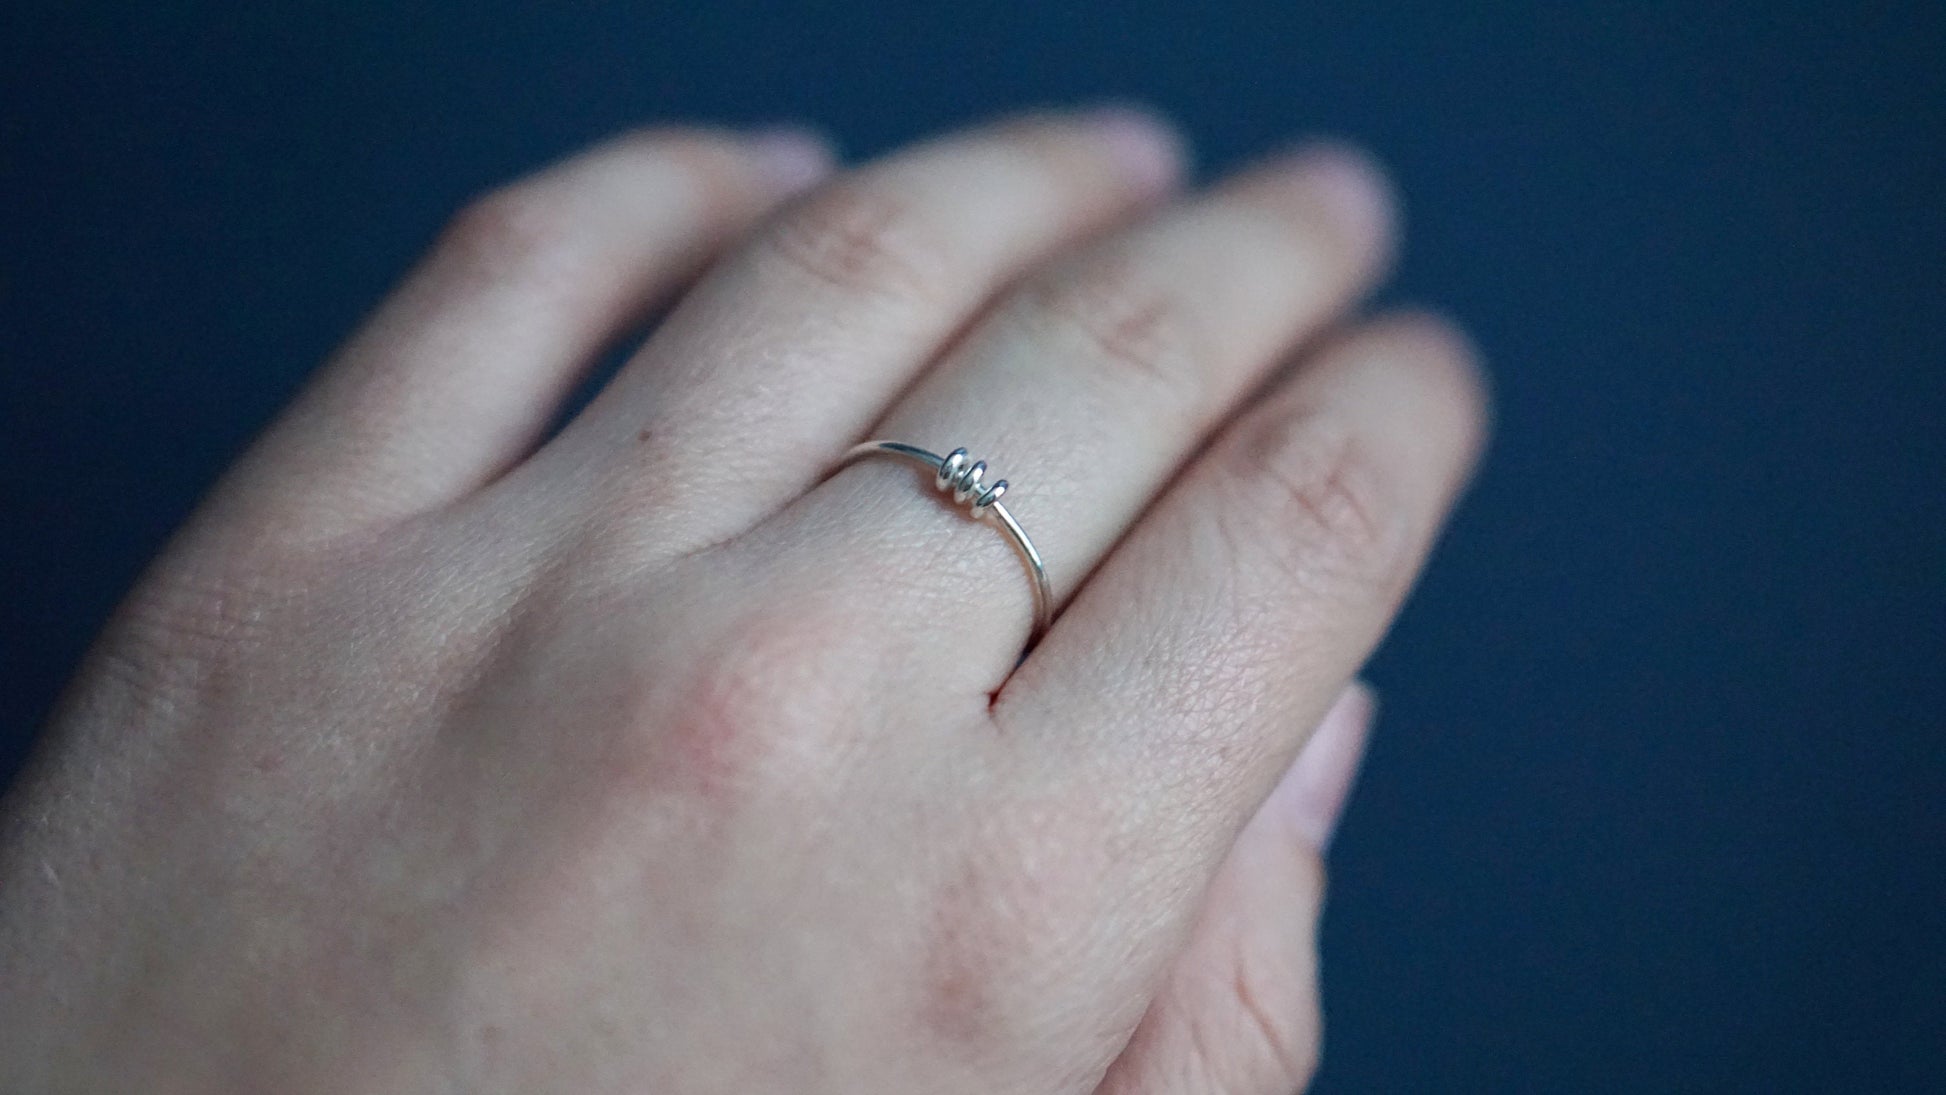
(1091, 383)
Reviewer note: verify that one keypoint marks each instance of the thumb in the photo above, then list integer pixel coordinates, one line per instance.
(1238, 1013)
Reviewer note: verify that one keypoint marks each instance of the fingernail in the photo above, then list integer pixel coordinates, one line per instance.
(1148, 148)
(1350, 183)
(792, 156)
(1313, 793)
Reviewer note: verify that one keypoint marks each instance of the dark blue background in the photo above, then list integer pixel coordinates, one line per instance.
(1657, 799)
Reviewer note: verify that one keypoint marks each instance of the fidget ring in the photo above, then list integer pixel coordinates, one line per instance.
(963, 476)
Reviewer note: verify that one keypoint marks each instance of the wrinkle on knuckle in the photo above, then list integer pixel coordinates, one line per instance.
(1245, 1024)
(1282, 1036)
(209, 630)
(1128, 322)
(861, 238)
(195, 623)
(1318, 505)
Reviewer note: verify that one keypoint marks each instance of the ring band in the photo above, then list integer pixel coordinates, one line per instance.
(958, 473)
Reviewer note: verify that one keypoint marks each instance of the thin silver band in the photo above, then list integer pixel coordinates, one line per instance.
(958, 473)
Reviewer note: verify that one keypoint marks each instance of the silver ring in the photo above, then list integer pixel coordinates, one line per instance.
(963, 476)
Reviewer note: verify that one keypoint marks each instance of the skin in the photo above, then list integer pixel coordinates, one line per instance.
(437, 753)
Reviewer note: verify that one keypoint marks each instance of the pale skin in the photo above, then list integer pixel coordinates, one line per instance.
(440, 752)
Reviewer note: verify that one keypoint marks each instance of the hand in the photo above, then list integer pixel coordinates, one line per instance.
(658, 757)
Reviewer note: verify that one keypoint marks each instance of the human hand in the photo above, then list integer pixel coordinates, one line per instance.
(658, 757)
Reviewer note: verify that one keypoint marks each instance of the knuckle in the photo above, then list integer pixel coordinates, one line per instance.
(542, 222)
(767, 710)
(194, 626)
(1281, 1036)
(1331, 519)
(861, 238)
(1128, 321)
(516, 227)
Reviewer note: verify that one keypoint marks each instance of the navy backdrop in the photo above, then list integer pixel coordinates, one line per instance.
(1656, 802)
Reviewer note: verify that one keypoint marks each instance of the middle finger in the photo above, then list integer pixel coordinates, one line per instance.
(806, 333)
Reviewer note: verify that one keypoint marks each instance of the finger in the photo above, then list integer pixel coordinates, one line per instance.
(782, 356)
(1238, 607)
(1089, 386)
(1238, 1011)
(460, 370)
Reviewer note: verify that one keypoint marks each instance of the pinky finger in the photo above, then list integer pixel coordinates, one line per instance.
(1238, 1013)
